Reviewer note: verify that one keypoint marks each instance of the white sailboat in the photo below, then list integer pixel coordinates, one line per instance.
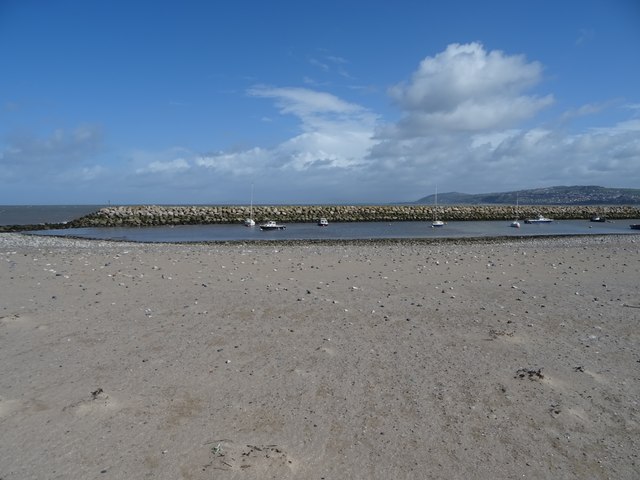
(516, 223)
(436, 222)
(250, 222)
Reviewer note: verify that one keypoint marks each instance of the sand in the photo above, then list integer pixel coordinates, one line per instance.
(399, 360)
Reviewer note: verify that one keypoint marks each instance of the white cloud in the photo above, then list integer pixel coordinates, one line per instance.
(146, 161)
(337, 157)
(334, 132)
(327, 148)
(171, 166)
(469, 89)
(304, 102)
(461, 125)
(245, 163)
(627, 126)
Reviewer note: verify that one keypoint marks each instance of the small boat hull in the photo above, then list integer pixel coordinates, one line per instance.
(540, 219)
(635, 226)
(271, 225)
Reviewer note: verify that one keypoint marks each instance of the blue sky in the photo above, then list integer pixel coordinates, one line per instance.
(314, 101)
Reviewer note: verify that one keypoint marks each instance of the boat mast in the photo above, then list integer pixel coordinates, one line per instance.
(435, 209)
(251, 205)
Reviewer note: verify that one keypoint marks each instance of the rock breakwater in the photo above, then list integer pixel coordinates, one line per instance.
(204, 215)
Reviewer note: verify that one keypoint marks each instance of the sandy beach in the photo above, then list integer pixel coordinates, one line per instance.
(397, 360)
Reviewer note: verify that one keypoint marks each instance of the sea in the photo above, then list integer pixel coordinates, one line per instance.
(41, 214)
(37, 214)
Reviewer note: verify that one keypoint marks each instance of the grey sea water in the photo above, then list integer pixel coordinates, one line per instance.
(40, 214)
(346, 231)
(37, 214)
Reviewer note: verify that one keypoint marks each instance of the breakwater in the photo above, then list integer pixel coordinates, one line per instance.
(204, 215)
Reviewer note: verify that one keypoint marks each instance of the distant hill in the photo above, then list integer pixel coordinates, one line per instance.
(576, 195)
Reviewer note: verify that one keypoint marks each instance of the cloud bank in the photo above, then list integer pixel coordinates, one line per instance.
(466, 121)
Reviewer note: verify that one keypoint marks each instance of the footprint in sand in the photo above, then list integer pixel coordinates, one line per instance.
(260, 461)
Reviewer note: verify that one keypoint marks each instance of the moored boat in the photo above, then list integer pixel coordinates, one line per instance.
(516, 223)
(323, 222)
(539, 219)
(635, 226)
(436, 222)
(271, 225)
(250, 222)
(598, 219)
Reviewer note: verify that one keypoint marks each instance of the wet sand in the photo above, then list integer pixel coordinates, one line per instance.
(517, 359)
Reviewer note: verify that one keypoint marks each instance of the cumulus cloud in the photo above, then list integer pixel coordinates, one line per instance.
(466, 88)
(461, 118)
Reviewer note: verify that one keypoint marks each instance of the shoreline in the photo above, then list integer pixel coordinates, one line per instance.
(489, 240)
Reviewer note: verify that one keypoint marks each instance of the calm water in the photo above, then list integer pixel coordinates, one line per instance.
(27, 215)
(37, 214)
(345, 231)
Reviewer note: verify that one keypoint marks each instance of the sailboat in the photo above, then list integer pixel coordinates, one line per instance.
(250, 222)
(436, 222)
(599, 218)
(516, 223)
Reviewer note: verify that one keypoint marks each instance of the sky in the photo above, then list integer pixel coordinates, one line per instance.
(314, 102)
